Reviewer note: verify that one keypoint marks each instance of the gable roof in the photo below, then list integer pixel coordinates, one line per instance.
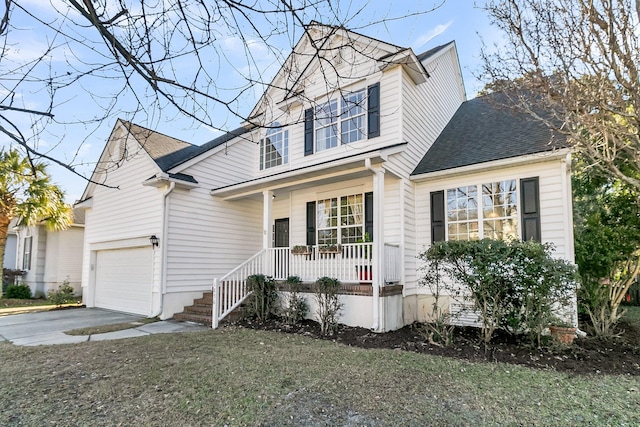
(431, 52)
(483, 130)
(168, 152)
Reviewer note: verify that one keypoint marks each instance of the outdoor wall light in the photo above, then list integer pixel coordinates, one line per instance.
(154, 240)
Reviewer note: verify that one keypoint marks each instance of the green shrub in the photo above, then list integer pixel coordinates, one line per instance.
(63, 295)
(295, 306)
(18, 291)
(512, 285)
(261, 303)
(329, 305)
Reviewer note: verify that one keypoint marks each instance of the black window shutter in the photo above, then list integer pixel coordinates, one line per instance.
(311, 223)
(373, 110)
(308, 131)
(437, 216)
(262, 154)
(530, 209)
(368, 214)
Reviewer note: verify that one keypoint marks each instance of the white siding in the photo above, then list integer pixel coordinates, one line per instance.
(124, 212)
(208, 237)
(555, 202)
(427, 108)
(64, 259)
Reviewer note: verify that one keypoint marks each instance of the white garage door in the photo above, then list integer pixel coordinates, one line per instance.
(124, 279)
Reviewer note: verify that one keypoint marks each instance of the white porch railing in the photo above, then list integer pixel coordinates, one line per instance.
(349, 263)
(231, 289)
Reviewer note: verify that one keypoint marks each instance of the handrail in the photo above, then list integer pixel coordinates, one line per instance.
(230, 290)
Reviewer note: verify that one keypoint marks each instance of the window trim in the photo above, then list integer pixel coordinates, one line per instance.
(274, 129)
(337, 119)
(480, 218)
(27, 255)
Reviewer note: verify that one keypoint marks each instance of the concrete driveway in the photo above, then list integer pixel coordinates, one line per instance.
(48, 327)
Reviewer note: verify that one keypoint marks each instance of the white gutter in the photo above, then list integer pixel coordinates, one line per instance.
(378, 241)
(163, 246)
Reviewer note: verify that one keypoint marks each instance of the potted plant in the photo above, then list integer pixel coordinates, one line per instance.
(562, 331)
(329, 249)
(301, 250)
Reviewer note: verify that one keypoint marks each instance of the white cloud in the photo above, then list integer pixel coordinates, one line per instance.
(431, 34)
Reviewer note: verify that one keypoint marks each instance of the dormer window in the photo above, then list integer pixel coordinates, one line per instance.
(274, 148)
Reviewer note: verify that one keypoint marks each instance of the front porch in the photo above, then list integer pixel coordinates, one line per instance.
(353, 264)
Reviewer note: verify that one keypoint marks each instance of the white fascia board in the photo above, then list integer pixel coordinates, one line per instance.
(414, 68)
(162, 179)
(493, 165)
(84, 204)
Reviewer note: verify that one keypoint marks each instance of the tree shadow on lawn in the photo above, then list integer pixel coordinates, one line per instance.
(613, 356)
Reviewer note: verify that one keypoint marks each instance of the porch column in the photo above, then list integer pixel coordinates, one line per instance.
(267, 219)
(378, 246)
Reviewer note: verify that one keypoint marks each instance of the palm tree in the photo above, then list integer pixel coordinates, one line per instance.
(27, 193)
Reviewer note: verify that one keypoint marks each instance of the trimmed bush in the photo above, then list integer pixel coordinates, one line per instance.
(329, 305)
(18, 292)
(261, 304)
(295, 306)
(512, 285)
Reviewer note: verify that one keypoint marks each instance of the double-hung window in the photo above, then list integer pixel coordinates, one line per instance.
(348, 115)
(26, 253)
(340, 220)
(352, 117)
(483, 211)
(274, 148)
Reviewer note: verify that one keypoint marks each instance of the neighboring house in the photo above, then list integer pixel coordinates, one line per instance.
(10, 247)
(340, 155)
(49, 258)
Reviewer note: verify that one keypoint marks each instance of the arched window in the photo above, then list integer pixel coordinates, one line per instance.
(274, 148)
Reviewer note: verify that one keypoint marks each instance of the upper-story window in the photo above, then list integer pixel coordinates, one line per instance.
(350, 117)
(274, 148)
(347, 115)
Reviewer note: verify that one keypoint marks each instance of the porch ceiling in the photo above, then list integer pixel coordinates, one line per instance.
(305, 177)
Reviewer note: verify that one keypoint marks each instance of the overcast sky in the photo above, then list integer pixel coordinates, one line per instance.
(456, 20)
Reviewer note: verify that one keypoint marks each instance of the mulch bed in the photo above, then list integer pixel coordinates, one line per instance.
(614, 356)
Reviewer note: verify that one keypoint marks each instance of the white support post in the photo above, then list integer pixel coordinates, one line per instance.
(216, 304)
(378, 246)
(267, 226)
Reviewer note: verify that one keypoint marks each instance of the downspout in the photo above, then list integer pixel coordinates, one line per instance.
(163, 246)
(377, 241)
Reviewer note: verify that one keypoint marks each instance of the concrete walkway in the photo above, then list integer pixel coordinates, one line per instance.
(46, 328)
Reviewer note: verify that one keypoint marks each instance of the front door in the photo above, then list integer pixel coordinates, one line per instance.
(281, 240)
(281, 235)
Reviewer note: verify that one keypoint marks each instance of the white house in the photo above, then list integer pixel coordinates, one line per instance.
(49, 258)
(10, 246)
(341, 155)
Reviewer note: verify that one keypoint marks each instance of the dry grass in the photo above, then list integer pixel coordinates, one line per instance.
(234, 376)
(102, 329)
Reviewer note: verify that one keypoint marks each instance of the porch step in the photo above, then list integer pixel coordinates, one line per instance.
(201, 310)
(195, 318)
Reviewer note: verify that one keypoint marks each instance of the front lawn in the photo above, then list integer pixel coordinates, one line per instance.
(236, 376)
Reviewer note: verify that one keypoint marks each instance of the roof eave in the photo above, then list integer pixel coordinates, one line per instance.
(494, 164)
(163, 179)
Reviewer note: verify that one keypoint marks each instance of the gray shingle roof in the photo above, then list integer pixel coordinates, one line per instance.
(481, 131)
(429, 53)
(169, 152)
